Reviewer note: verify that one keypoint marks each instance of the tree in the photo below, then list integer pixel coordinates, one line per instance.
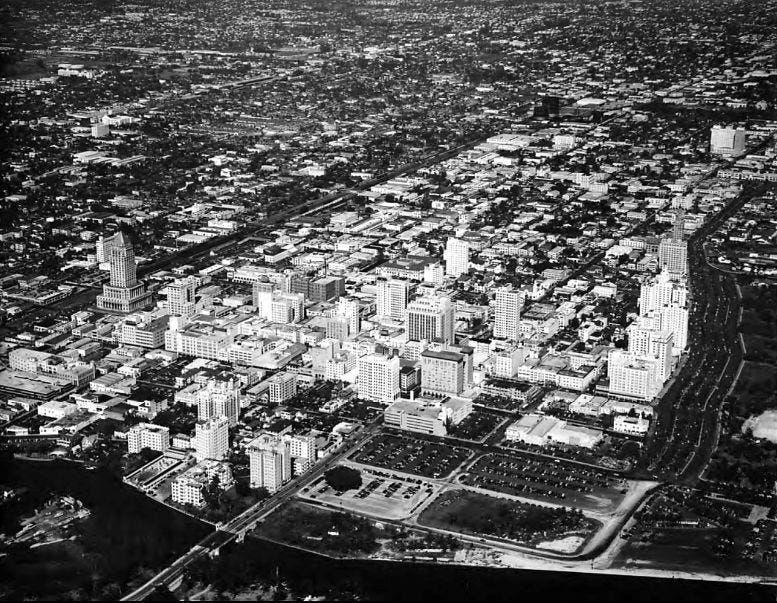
(343, 478)
(212, 492)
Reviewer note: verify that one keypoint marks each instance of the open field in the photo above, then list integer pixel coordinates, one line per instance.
(526, 524)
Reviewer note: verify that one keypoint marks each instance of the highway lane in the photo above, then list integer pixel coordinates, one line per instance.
(685, 435)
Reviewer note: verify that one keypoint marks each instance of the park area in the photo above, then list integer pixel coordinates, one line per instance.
(548, 480)
(523, 523)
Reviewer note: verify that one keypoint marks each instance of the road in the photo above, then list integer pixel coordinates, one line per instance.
(686, 426)
(246, 521)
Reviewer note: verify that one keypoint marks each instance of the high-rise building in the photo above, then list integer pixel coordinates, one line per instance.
(664, 290)
(442, 373)
(673, 252)
(727, 140)
(270, 461)
(456, 257)
(219, 398)
(350, 309)
(282, 387)
(664, 299)
(633, 376)
(147, 435)
(303, 450)
(287, 308)
(263, 296)
(124, 293)
(674, 319)
(378, 378)
(393, 296)
(507, 313)
(431, 318)
(211, 439)
(181, 297)
(645, 341)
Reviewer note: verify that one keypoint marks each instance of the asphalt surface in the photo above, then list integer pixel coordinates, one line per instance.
(685, 435)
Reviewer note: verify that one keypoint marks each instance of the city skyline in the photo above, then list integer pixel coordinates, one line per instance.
(485, 289)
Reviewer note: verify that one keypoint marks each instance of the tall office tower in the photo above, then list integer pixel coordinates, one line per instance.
(211, 439)
(727, 140)
(431, 318)
(393, 295)
(349, 308)
(219, 398)
(269, 457)
(263, 296)
(456, 257)
(673, 252)
(664, 290)
(378, 378)
(507, 313)
(287, 308)
(124, 293)
(442, 373)
(181, 300)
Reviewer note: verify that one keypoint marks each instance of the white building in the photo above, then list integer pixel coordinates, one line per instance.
(187, 487)
(727, 140)
(507, 313)
(282, 387)
(431, 318)
(147, 435)
(378, 378)
(270, 461)
(218, 398)
(630, 425)
(392, 297)
(456, 257)
(211, 439)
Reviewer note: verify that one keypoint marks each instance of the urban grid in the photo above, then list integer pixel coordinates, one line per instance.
(388, 299)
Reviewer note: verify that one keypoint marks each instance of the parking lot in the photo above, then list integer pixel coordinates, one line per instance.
(545, 479)
(477, 426)
(382, 494)
(412, 455)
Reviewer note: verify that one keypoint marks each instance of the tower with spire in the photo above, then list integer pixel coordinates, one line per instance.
(123, 293)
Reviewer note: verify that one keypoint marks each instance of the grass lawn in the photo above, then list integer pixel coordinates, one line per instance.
(481, 515)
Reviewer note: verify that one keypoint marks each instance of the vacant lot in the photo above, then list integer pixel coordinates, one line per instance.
(482, 515)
